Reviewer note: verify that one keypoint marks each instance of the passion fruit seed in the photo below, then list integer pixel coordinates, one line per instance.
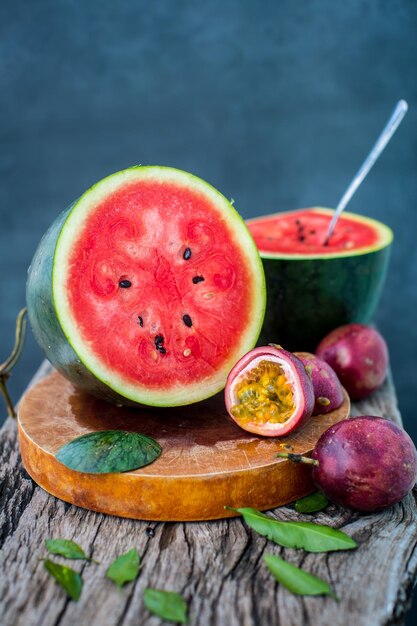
(264, 395)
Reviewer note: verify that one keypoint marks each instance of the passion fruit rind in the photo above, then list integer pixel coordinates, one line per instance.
(359, 356)
(268, 392)
(328, 391)
(365, 463)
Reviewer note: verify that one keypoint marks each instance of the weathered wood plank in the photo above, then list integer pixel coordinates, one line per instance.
(217, 566)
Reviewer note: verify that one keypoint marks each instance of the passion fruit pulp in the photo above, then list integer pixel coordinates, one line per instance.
(268, 392)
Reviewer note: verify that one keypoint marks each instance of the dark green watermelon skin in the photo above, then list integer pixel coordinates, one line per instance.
(45, 324)
(307, 298)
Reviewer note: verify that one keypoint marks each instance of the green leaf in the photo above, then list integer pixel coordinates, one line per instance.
(295, 579)
(125, 568)
(316, 501)
(166, 604)
(109, 451)
(65, 547)
(70, 580)
(306, 535)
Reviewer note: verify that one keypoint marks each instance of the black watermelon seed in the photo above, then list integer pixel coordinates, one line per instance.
(150, 532)
(187, 320)
(187, 254)
(159, 340)
(198, 279)
(125, 284)
(140, 320)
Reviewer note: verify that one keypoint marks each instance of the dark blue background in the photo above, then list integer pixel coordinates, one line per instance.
(274, 103)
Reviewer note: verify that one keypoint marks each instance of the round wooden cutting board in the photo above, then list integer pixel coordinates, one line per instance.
(207, 461)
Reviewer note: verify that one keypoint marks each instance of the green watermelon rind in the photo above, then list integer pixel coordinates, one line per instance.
(310, 295)
(57, 332)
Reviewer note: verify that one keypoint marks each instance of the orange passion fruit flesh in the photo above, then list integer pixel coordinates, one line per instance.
(264, 393)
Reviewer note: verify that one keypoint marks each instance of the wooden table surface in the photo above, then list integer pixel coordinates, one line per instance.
(216, 566)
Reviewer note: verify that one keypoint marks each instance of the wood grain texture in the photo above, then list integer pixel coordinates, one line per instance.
(207, 461)
(217, 566)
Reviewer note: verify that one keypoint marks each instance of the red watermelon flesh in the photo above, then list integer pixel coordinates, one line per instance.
(157, 286)
(303, 232)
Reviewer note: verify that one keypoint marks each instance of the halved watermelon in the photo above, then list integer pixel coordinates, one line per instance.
(148, 289)
(313, 288)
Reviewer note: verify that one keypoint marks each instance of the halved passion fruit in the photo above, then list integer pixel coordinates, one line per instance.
(268, 392)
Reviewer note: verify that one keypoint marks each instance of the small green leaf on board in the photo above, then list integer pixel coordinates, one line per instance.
(125, 568)
(166, 604)
(295, 579)
(313, 503)
(70, 580)
(66, 548)
(109, 451)
(307, 535)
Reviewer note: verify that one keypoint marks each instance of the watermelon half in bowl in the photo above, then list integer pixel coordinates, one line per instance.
(148, 289)
(313, 288)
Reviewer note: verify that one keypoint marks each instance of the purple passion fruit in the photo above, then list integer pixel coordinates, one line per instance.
(328, 392)
(365, 463)
(359, 356)
(268, 392)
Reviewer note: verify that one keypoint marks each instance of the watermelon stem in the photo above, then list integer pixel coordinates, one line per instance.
(10, 362)
(297, 458)
(3, 389)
